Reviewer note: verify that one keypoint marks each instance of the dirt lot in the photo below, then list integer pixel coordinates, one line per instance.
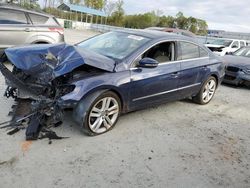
(178, 144)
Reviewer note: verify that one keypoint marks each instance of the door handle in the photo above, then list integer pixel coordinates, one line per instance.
(175, 74)
(205, 67)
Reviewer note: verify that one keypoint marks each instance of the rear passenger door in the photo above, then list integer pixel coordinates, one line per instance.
(14, 28)
(194, 61)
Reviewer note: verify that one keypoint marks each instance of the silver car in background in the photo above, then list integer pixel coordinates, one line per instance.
(20, 26)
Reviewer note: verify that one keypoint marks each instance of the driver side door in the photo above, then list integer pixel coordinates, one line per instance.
(151, 86)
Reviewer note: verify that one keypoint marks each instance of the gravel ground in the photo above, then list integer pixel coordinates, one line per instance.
(179, 144)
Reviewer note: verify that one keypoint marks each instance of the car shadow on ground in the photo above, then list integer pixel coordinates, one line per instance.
(236, 86)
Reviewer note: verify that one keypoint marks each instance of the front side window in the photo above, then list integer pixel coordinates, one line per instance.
(163, 52)
(12, 17)
(116, 45)
(188, 51)
(235, 44)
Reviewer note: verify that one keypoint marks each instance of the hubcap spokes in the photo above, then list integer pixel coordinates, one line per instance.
(103, 114)
(209, 91)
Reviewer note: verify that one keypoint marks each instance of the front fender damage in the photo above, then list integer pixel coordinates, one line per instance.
(39, 78)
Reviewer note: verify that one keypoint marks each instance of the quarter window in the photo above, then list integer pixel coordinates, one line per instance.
(12, 17)
(188, 51)
(203, 53)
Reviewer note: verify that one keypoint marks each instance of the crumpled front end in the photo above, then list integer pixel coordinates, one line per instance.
(237, 75)
(42, 75)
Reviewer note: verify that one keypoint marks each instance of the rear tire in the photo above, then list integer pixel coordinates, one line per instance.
(206, 92)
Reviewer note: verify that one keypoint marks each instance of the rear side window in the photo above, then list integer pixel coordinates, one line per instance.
(8, 16)
(188, 51)
(38, 19)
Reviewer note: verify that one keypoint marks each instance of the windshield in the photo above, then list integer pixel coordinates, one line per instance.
(245, 52)
(116, 45)
(222, 42)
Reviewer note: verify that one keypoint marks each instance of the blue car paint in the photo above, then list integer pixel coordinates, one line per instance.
(137, 87)
(37, 60)
(240, 62)
(147, 82)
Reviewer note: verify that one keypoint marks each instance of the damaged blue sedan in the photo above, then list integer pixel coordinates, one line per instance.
(110, 74)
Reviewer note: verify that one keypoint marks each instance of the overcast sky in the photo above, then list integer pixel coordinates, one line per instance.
(230, 15)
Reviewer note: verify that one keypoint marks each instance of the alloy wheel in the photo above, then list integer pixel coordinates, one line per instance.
(209, 90)
(103, 114)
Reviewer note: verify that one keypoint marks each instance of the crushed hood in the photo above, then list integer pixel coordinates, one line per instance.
(52, 61)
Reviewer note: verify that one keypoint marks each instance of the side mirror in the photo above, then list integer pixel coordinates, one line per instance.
(148, 63)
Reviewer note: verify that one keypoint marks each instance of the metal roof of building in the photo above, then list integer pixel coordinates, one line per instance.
(83, 9)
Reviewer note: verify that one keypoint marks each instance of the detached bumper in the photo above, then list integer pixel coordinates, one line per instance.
(236, 78)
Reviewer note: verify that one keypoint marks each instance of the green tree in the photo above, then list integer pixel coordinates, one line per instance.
(109, 7)
(117, 17)
(201, 27)
(166, 21)
(181, 21)
(96, 4)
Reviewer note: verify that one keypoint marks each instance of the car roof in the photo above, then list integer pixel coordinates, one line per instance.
(15, 7)
(173, 30)
(154, 34)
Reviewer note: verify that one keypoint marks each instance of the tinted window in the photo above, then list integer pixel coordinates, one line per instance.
(235, 44)
(188, 51)
(203, 53)
(37, 19)
(12, 17)
(163, 52)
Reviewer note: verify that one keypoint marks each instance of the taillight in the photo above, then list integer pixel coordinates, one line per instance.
(58, 30)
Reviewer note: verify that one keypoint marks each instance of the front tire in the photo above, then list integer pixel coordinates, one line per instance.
(206, 92)
(101, 114)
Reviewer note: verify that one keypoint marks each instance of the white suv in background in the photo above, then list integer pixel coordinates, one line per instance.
(19, 26)
(222, 46)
